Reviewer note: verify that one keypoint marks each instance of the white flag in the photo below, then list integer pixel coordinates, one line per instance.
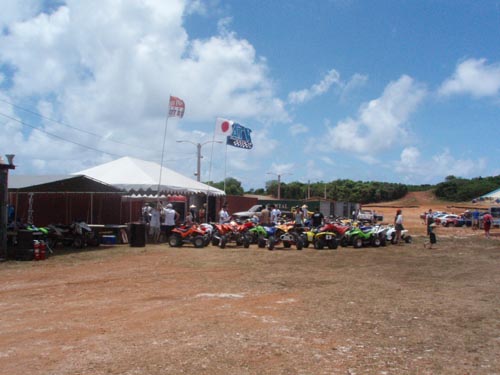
(223, 127)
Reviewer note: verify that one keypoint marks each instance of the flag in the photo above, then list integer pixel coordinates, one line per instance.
(223, 127)
(176, 107)
(240, 137)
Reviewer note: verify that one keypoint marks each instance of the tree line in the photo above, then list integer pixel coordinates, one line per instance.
(452, 189)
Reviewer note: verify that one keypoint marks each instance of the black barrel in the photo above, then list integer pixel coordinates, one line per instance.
(137, 234)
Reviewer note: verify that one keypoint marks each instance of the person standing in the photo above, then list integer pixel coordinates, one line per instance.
(192, 211)
(265, 216)
(171, 218)
(398, 224)
(202, 213)
(317, 218)
(487, 221)
(429, 222)
(475, 219)
(155, 223)
(298, 217)
(275, 214)
(224, 214)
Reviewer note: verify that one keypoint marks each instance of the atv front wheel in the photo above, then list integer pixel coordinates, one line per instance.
(270, 243)
(357, 242)
(333, 244)
(222, 242)
(198, 242)
(175, 241)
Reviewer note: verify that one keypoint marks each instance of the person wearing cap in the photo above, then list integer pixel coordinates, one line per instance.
(192, 211)
(171, 217)
(223, 214)
(305, 213)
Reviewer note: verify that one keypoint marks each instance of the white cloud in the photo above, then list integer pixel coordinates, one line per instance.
(474, 77)
(297, 129)
(381, 122)
(419, 170)
(297, 97)
(109, 67)
(356, 81)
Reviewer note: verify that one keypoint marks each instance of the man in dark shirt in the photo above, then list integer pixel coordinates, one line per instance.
(317, 218)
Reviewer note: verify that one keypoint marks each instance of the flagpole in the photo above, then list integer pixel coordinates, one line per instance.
(225, 168)
(162, 155)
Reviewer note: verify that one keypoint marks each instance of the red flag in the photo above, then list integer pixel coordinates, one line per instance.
(176, 107)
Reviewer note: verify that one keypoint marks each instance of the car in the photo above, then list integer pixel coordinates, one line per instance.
(451, 220)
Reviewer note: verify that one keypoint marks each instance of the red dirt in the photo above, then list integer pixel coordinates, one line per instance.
(160, 310)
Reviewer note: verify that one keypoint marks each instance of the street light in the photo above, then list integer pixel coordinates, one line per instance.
(198, 154)
(279, 181)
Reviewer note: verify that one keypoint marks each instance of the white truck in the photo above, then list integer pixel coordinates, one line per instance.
(369, 216)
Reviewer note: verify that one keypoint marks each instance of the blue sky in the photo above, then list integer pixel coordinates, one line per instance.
(397, 91)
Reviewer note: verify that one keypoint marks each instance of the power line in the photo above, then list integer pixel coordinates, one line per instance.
(76, 143)
(57, 136)
(65, 124)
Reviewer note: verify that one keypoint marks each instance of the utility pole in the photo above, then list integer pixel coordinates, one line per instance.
(4, 199)
(198, 155)
(279, 181)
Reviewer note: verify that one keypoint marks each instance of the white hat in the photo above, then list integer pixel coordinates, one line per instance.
(304, 206)
(169, 205)
(192, 206)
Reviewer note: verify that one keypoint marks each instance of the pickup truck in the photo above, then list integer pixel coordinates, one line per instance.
(369, 215)
(255, 210)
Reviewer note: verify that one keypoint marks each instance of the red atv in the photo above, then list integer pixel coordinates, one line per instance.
(187, 234)
(233, 231)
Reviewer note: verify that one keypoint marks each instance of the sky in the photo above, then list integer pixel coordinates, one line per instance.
(383, 90)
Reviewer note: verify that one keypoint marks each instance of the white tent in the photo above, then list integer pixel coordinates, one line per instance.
(493, 195)
(140, 176)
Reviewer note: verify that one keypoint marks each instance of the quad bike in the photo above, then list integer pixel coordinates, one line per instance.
(325, 236)
(233, 231)
(287, 234)
(391, 235)
(360, 236)
(338, 229)
(77, 235)
(258, 235)
(187, 234)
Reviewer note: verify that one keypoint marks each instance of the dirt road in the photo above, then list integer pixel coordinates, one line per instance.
(158, 310)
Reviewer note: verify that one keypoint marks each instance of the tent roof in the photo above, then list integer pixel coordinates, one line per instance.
(492, 195)
(136, 175)
(58, 183)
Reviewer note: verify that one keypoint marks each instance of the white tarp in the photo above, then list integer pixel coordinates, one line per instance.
(495, 194)
(136, 175)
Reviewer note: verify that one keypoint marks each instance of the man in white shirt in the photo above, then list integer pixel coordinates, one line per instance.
(275, 214)
(155, 223)
(171, 217)
(223, 214)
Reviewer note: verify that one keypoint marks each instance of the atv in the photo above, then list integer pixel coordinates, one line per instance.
(187, 234)
(361, 236)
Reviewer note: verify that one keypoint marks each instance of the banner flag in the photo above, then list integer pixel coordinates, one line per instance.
(236, 135)
(176, 107)
(223, 127)
(240, 137)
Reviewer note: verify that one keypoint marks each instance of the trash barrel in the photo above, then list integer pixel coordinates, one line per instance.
(137, 235)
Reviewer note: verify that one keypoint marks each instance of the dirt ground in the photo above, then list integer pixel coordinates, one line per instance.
(160, 310)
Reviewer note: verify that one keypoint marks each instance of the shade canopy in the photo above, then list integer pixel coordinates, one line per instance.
(141, 176)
